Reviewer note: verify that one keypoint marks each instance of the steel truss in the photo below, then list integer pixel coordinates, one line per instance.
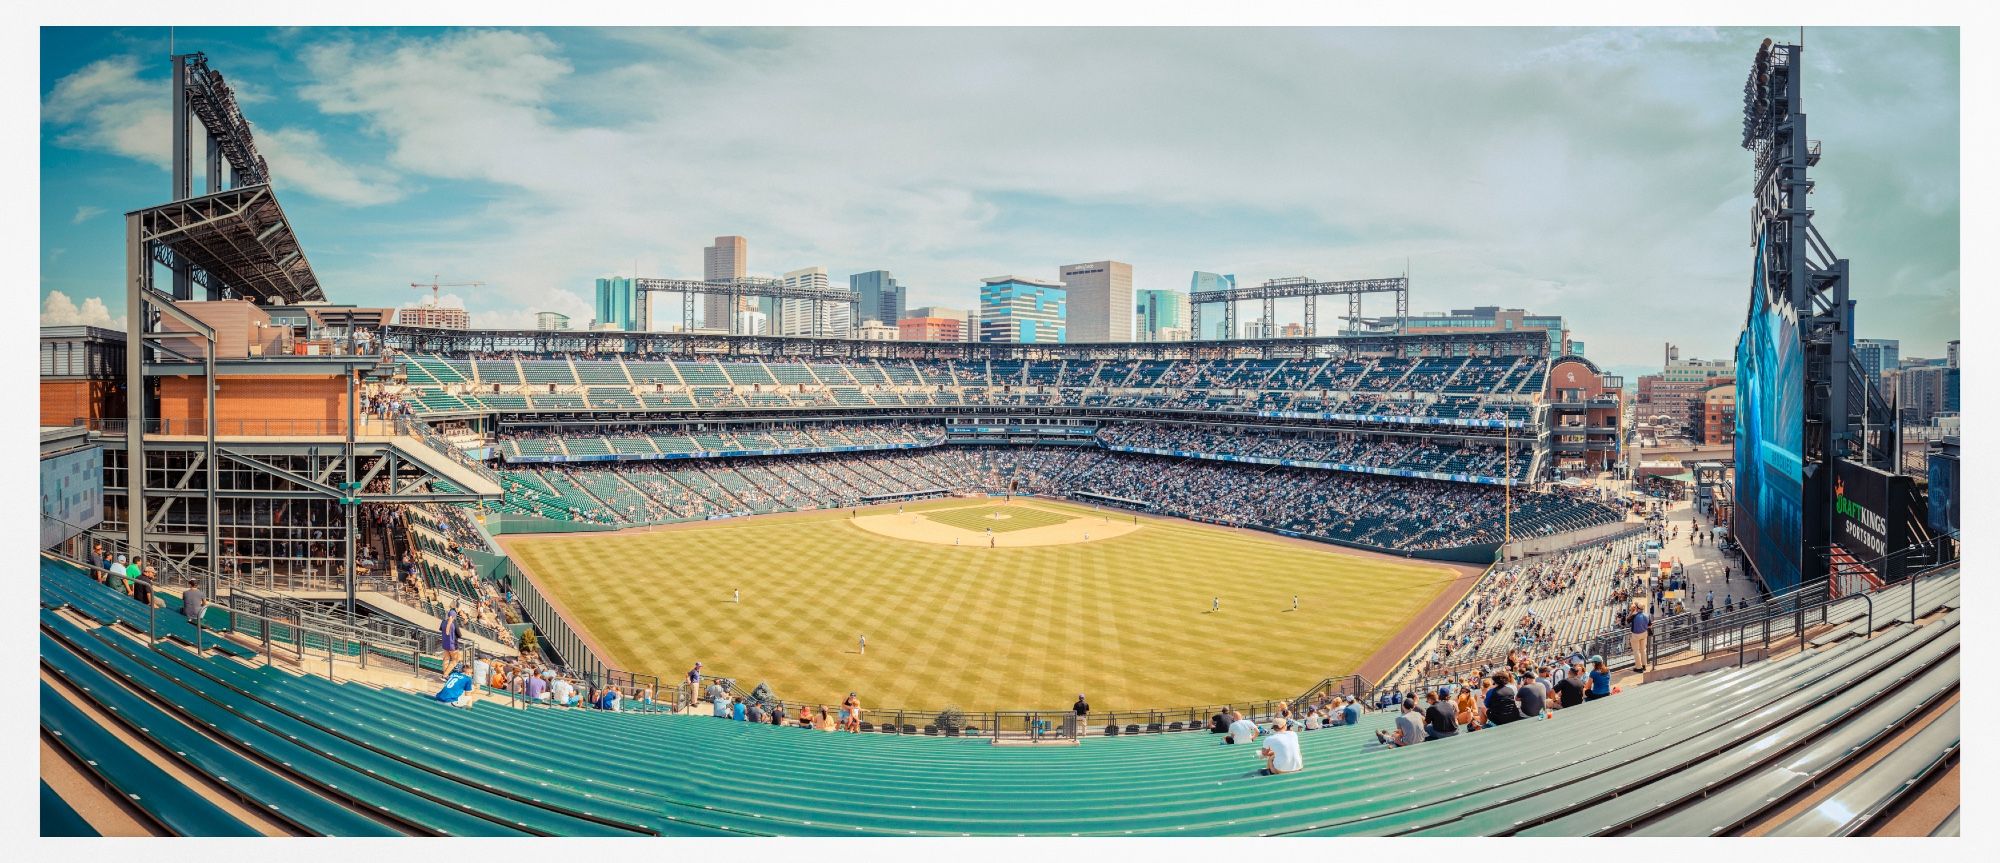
(1804, 276)
(1299, 287)
(736, 290)
(438, 340)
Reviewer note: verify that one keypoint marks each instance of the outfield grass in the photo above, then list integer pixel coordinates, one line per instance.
(1125, 620)
(1001, 518)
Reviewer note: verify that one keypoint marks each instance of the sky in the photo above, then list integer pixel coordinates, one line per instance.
(1592, 173)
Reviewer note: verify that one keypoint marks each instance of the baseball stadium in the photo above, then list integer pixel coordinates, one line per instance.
(309, 570)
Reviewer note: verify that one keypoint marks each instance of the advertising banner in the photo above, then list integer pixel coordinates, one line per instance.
(1866, 521)
(1770, 436)
(72, 493)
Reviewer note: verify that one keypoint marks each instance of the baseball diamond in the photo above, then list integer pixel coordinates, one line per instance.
(1124, 618)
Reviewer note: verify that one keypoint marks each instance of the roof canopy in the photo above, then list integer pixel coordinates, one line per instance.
(240, 238)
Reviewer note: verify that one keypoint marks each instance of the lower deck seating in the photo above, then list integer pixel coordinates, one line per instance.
(1697, 755)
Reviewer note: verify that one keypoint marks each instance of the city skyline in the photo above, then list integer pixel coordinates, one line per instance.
(1628, 221)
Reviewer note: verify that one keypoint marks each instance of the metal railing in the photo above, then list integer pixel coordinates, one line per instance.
(271, 626)
(219, 586)
(1051, 725)
(198, 427)
(422, 431)
(1793, 613)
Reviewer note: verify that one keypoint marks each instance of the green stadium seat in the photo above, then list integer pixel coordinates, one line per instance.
(61, 819)
(145, 786)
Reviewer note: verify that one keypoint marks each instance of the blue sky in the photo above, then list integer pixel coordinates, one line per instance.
(1590, 173)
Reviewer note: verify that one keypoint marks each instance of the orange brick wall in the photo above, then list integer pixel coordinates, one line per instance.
(64, 402)
(257, 405)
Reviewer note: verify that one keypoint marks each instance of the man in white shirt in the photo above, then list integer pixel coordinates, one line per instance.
(1281, 750)
(1240, 730)
(563, 692)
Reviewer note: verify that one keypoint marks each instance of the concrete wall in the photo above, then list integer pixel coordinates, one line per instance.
(64, 402)
(1542, 545)
(281, 404)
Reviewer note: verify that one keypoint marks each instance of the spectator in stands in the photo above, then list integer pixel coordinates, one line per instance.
(1600, 680)
(821, 721)
(1347, 710)
(132, 571)
(1641, 622)
(1240, 730)
(1569, 691)
(142, 590)
(850, 713)
(1441, 716)
(1409, 727)
(737, 711)
(1219, 723)
(536, 688)
(193, 602)
(1315, 719)
(694, 679)
(1533, 695)
(448, 633)
(1281, 750)
(716, 696)
(482, 670)
(563, 692)
(1503, 704)
(457, 687)
(1081, 708)
(1468, 710)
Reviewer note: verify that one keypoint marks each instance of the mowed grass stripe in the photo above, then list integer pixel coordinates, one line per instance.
(1125, 619)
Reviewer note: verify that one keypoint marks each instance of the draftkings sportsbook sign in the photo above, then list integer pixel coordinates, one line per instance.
(1865, 523)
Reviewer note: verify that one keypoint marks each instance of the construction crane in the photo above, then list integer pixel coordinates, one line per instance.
(434, 285)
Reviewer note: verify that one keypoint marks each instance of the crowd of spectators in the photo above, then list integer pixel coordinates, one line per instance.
(1462, 388)
(1397, 452)
(1377, 511)
(1538, 611)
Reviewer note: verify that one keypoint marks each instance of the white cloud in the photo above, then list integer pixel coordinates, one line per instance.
(299, 160)
(84, 214)
(59, 310)
(1588, 173)
(106, 106)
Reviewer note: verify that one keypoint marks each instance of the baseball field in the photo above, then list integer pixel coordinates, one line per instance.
(984, 604)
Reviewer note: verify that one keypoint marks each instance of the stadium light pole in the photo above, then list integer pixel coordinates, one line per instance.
(1507, 490)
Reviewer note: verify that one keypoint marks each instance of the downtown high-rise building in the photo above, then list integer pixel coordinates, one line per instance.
(729, 258)
(1877, 356)
(615, 305)
(1217, 328)
(1099, 295)
(439, 317)
(882, 297)
(796, 316)
(1162, 316)
(1016, 309)
(968, 322)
